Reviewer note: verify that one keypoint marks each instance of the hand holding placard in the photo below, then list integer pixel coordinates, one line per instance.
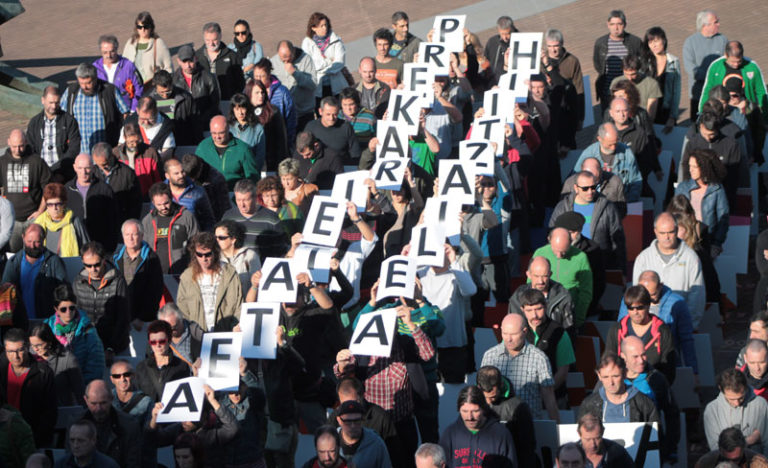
(182, 401)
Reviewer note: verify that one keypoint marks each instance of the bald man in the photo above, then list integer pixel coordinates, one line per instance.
(608, 184)
(118, 433)
(374, 94)
(615, 157)
(559, 302)
(677, 265)
(756, 366)
(227, 154)
(571, 269)
(652, 383)
(526, 367)
(22, 178)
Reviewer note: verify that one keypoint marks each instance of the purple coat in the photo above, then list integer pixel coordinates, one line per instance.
(127, 80)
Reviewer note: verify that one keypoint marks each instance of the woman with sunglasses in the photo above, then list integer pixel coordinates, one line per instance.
(246, 48)
(655, 334)
(74, 331)
(68, 377)
(145, 48)
(161, 364)
(230, 236)
(210, 292)
(65, 233)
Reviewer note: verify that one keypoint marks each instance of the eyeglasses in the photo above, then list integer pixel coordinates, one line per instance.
(241, 33)
(67, 309)
(143, 26)
(158, 342)
(587, 188)
(352, 421)
(127, 375)
(222, 237)
(637, 307)
(54, 205)
(39, 345)
(91, 265)
(16, 351)
(204, 254)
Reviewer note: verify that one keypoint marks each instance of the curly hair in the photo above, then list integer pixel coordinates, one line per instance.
(234, 229)
(711, 169)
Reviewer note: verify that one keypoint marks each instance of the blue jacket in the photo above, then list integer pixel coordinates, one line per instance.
(280, 97)
(195, 199)
(624, 166)
(714, 208)
(673, 310)
(253, 136)
(87, 347)
(51, 274)
(371, 453)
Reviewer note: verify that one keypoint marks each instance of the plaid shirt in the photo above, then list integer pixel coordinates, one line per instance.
(386, 379)
(528, 372)
(90, 117)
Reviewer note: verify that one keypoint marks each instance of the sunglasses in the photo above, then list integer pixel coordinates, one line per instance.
(54, 205)
(120, 376)
(158, 342)
(587, 188)
(640, 307)
(91, 265)
(222, 237)
(204, 254)
(143, 26)
(67, 309)
(241, 33)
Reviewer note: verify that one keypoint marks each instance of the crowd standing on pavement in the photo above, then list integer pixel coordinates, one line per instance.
(202, 168)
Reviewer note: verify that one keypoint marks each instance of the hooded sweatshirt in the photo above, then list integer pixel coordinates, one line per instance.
(750, 415)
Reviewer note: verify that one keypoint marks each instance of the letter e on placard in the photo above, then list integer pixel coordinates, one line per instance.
(182, 400)
(479, 153)
(397, 277)
(374, 333)
(457, 181)
(323, 225)
(220, 355)
(258, 322)
(278, 281)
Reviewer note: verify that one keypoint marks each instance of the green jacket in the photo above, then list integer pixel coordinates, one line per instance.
(574, 273)
(237, 162)
(754, 85)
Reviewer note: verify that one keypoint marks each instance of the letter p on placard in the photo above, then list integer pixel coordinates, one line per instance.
(449, 30)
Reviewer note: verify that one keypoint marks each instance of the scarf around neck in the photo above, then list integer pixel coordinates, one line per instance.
(68, 246)
(64, 332)
(322, 41)
(242, 48)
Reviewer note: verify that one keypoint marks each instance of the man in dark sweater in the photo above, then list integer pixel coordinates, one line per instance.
(263, 229)
(55, 135)
(601, 452)
(94, 202)
(22, 177)
(335, 133)
(497, 46)
(318, 164)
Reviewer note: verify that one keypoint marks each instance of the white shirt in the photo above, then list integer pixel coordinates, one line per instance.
(151, 132)
(451, 292)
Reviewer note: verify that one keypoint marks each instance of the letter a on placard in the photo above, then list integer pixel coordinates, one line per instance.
(278, 281)
(393, 140)
(457, 181)
(397, 277)
(374, 333)
(324, 221)
(182, 400)
(258, 322)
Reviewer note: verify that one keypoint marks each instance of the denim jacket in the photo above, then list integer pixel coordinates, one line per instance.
(714, 208)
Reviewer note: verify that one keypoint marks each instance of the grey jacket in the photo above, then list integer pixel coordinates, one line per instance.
(750, 415)
(606, 228)
(559, 303)
(67, 377)
(302, 83)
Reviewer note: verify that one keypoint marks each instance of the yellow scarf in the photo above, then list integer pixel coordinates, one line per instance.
(68, 239)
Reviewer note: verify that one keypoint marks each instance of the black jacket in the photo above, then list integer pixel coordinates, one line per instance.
(494, 52)
(125, 186)
(166, 128)
(119, 438)
(378, 420)
(51, 274)
(67, 140)
(107, 305)
(38, 398)
(517, 416)
(641, 407)
(229, 71)
(151, 380)
(205, 93)
(146, 288)
(323, 172)
(559, 303)
(187, 129)
(100, 202)
(615, 456)
(112, 117)
(633, 44)
(22, 181)
(667, 406)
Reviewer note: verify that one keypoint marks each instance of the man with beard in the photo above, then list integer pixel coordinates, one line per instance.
(215, 57)
(476, 437)
(118, 434)
(360, 445)
(327, 445)
(756, 366)
(168, 226)
(559, 303)
(600, 452)
(35, 272)
(189, 195)
(97, 121)
(617, 158)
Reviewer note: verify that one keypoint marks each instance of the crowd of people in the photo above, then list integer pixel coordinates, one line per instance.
(100, 174)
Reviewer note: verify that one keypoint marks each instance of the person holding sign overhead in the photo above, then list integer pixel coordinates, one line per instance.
(210, 293)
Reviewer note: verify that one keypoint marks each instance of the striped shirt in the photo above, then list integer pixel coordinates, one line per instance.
(613, 67)
(363, 123)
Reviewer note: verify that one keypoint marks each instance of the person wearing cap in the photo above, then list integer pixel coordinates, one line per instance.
(602, 221)
(733, 63)
(559, 303)
(573, 222)
(200, 83)
(362, 447)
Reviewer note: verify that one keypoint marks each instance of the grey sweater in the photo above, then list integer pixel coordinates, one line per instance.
(751, 415)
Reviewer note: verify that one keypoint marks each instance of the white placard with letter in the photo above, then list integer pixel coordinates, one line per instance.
(489, 128)
(258, 322)
(449, 30)
(351, 186)
(397, 278)
(388, 174)
(323, 225)
(437, 55)
(479, 153)
(499, 103)
(525, 51)
(220, 355)
(420, 78)
(428, 245)
(374, 333)
(515, 83)
(444, 212)
(457, 181)
(392, 137)
(182, 400)
(314, 260)
(278, 281)
(405, 107)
